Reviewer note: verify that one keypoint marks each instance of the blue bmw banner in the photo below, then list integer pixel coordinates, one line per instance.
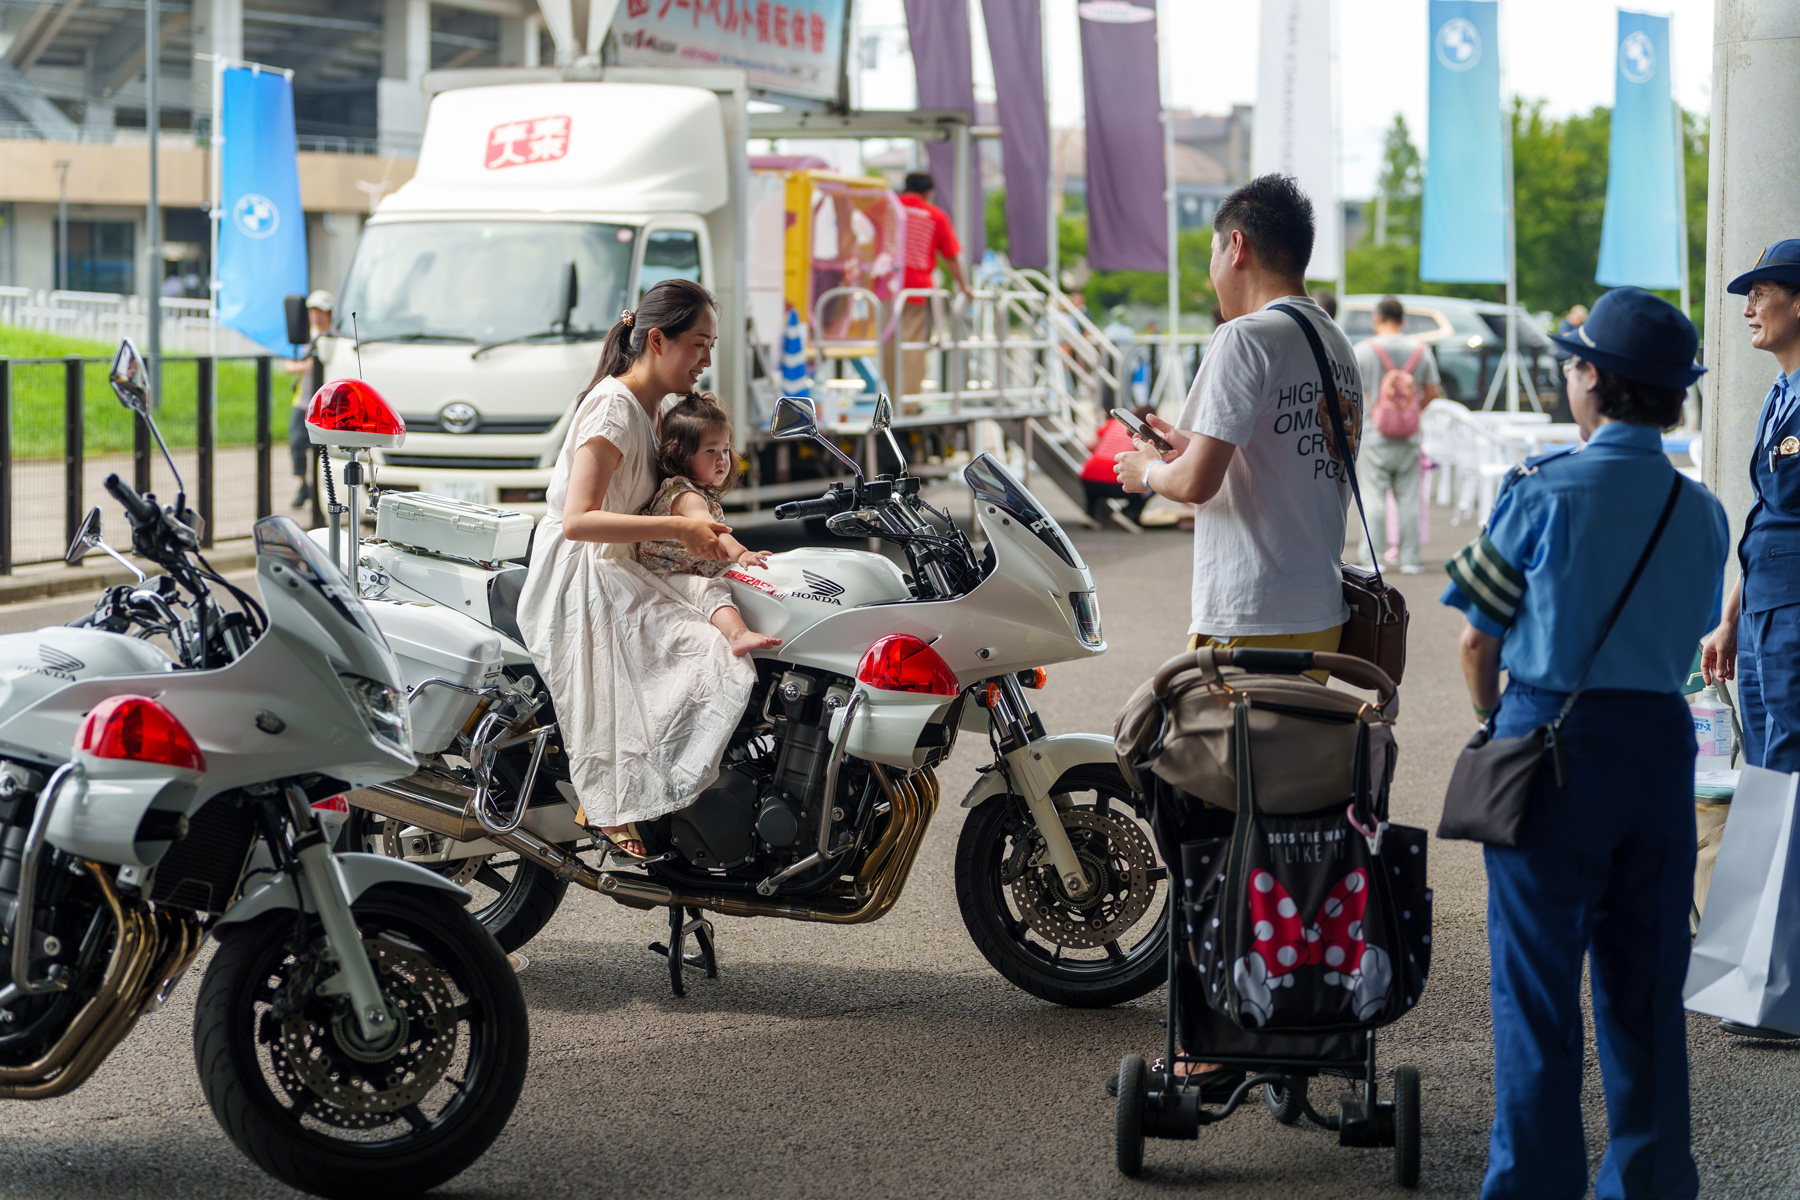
(1464, 234)
(262, 232)
(1641, 238)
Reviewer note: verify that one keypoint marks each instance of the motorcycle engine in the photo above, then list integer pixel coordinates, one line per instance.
(765, 805)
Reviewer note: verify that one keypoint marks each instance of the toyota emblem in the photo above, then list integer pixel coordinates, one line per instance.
(459, 418)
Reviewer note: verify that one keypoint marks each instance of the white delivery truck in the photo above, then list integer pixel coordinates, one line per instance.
(480, 291)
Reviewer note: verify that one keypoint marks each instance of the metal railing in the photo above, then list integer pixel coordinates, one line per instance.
(187, 325)
(62, 432)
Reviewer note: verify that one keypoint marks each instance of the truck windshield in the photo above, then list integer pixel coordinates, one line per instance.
(483, 281)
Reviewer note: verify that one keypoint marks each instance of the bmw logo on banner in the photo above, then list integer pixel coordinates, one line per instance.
(262, 232)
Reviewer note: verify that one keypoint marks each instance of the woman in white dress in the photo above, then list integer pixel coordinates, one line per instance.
(646, 691)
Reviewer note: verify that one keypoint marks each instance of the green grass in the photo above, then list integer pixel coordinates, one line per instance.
(38, 390)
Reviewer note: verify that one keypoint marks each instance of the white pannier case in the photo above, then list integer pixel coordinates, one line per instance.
(435, 643)
(453, 528)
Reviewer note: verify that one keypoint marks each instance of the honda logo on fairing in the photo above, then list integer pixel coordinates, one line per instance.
(58, 661)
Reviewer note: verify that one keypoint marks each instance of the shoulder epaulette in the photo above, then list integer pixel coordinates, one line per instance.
(1532, 465)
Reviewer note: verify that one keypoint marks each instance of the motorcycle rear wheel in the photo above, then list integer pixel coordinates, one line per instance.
(512, 898)
(1113, 973)
(288, 1081)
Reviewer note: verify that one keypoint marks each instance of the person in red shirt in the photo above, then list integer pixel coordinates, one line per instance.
(1100, 476)
(929, 235)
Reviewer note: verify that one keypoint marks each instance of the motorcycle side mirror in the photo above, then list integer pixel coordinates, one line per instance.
(883, 423)
(795, 418)
(299, 329)
(130, 378)
(86, 537)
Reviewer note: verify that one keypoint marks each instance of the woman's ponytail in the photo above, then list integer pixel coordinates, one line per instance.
(673, 306)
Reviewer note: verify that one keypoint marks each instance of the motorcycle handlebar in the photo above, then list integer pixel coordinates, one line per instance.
(794, 510)
(139, 509)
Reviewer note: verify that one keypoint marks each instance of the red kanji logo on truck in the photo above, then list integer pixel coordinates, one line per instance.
(517, 143)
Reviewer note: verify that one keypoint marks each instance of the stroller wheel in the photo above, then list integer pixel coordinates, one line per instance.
(1286, 1100)
(1406, 1127)
(1128, 1121)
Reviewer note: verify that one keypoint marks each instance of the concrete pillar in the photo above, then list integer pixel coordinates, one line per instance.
(519, 40)
(405, 57)
(218, 30)
(1750, 201)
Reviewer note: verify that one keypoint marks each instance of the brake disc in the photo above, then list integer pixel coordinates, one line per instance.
(319, 1052)
(458, 871)
(1112, 850)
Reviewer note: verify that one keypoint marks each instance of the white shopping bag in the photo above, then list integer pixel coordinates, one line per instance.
(1747, 953)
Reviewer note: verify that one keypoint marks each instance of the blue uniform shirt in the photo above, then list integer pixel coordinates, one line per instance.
(1769, 553)
(1566, 531)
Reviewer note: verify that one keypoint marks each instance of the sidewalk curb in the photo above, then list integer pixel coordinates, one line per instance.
(49, 580)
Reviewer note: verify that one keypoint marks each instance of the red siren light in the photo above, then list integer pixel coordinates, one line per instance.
(349, 412)
(903, 663)
(138, 729)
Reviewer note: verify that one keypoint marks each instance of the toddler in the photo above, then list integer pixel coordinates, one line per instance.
(698, 465)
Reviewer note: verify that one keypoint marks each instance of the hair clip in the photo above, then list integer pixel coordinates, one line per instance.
(628, 317)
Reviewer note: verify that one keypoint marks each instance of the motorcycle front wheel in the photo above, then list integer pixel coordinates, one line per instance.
(295, 1085)
(1093, 950)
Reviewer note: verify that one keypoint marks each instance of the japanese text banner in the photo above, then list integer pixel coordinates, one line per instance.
(792, 46)
(1464, 226)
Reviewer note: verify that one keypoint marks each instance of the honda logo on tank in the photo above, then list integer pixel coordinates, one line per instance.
(519, 143)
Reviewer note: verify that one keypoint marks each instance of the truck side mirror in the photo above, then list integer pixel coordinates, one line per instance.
(571, 295)
(299, 331)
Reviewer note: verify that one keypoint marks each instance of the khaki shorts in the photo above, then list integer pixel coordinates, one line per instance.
(1321, 640)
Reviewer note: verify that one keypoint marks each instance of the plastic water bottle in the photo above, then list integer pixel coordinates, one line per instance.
(1712, 730)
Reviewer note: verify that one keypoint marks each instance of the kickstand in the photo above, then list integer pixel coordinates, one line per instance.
(681, 924)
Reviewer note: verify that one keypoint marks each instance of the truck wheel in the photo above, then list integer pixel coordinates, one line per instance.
(294, 1085)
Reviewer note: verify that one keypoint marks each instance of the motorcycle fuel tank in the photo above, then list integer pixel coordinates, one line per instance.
(38, 664)
(800, 588)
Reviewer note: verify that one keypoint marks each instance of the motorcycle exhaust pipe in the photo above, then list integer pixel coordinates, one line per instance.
(413, 803)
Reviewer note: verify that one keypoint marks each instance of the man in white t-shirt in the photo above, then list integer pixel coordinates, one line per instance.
(1259, 461)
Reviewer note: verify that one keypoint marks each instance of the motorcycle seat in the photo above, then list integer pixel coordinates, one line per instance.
(503, 602)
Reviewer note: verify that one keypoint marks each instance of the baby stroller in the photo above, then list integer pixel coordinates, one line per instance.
(1301, 922)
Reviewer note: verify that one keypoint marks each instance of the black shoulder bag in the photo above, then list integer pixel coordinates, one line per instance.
(1376, 630)
(1491, 785)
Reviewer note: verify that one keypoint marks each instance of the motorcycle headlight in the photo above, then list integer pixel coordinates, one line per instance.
(1087, 617)
(383, 710)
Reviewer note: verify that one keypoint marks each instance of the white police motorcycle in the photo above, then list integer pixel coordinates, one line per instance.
(357, 1033)
(827, 786)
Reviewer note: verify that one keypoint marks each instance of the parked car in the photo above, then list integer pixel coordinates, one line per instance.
(1468, 337)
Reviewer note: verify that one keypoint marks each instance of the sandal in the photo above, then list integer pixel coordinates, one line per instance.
(618, 839)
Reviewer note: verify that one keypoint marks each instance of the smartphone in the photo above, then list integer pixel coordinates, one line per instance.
(1140, 430)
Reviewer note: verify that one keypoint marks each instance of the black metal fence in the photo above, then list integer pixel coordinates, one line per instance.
(62, 432)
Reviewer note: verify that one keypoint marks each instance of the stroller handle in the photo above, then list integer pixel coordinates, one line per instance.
(1358, 671)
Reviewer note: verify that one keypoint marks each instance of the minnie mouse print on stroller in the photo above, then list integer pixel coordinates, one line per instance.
(1303, 919)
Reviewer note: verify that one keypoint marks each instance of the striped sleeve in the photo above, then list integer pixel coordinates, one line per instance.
(1489, 583)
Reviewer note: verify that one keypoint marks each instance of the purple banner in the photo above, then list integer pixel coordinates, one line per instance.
(1015, 42)
(1127, 215)
(944, 66)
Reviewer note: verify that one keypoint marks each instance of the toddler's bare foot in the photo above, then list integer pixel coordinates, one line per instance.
(746, 640)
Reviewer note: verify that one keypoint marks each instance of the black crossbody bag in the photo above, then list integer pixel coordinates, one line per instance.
(1490, 788)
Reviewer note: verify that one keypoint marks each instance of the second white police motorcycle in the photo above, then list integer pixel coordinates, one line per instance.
(828, 784)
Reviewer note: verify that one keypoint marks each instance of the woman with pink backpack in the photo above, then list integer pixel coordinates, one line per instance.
(1400, 377)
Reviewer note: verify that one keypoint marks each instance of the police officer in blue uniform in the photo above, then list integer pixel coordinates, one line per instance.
(1604, 866)
(1758, 641)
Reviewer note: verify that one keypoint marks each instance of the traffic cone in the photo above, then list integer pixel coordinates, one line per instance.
(794, 378)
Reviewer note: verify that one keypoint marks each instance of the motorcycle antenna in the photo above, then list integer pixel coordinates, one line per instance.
(356, 339)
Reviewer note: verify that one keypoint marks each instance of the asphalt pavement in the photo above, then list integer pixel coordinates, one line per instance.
(890, 1059)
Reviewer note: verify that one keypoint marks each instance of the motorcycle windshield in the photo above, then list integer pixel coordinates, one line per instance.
(280, 538)
(995, 485)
